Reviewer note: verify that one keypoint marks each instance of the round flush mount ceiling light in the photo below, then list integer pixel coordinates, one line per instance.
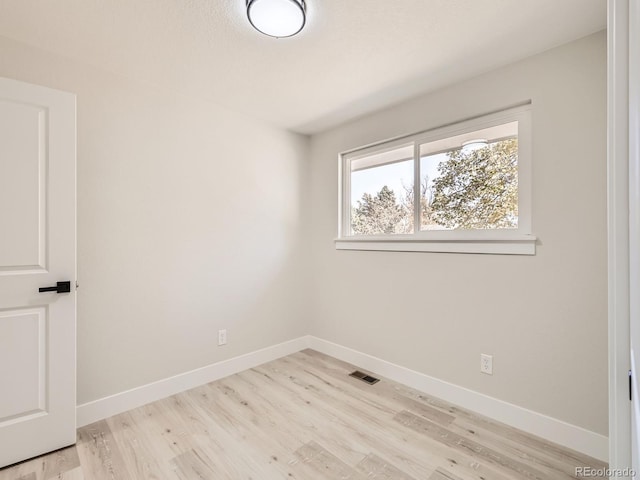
(473, 145)
(277, 18)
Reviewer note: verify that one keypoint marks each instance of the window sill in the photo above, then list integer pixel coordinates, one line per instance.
(512, 245)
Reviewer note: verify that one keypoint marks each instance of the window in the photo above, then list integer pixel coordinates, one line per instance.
(460, 188)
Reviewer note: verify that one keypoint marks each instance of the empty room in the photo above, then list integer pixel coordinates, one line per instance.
(319, 239)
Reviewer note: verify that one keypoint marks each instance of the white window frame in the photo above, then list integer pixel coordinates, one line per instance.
(517, 241)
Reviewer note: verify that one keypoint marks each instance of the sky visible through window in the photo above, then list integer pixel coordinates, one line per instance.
(393, 176)
(468, 181)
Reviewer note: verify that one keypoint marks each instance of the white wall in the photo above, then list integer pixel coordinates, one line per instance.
(194, 218)
(189, 220)
(543, 317)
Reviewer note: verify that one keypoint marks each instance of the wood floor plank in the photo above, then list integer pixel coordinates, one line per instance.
(443, 475)
(552, 465)
(374, 467)
(99, 455)
(24, 470)
(75, 474)
(476, 450)
(230, 439)
(418, 455)
(326, 464)
(535, 447)
(357, 405)
(382, 392)
(302, 417)
(51, 465)
(307, 423)
(60, 462)
(335, 425)
(138, 451)
(197, 464)
(30, 476)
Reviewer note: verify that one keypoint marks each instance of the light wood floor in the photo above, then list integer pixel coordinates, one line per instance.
(302, 417)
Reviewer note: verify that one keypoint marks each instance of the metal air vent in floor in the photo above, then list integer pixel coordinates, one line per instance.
(364, 377)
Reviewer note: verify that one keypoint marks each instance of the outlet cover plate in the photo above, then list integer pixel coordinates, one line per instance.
(486, 364)
(222, 337)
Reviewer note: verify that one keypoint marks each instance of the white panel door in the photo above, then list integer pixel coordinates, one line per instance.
(37, 250)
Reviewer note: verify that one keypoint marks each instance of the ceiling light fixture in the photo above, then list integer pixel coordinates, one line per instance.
(277, 18)
(477, 141)
(473, 145)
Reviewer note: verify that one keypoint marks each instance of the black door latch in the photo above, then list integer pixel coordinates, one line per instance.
(61, 287)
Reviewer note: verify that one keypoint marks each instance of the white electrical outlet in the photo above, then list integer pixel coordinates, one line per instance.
(486, 363)
(222, 337)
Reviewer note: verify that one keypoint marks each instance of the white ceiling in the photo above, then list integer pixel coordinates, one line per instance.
(353, 57)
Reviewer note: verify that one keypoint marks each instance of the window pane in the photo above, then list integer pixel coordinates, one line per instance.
(382, 193)
(472, 186)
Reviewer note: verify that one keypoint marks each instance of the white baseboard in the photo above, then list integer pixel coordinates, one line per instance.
(552, 429)
(121, 402)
